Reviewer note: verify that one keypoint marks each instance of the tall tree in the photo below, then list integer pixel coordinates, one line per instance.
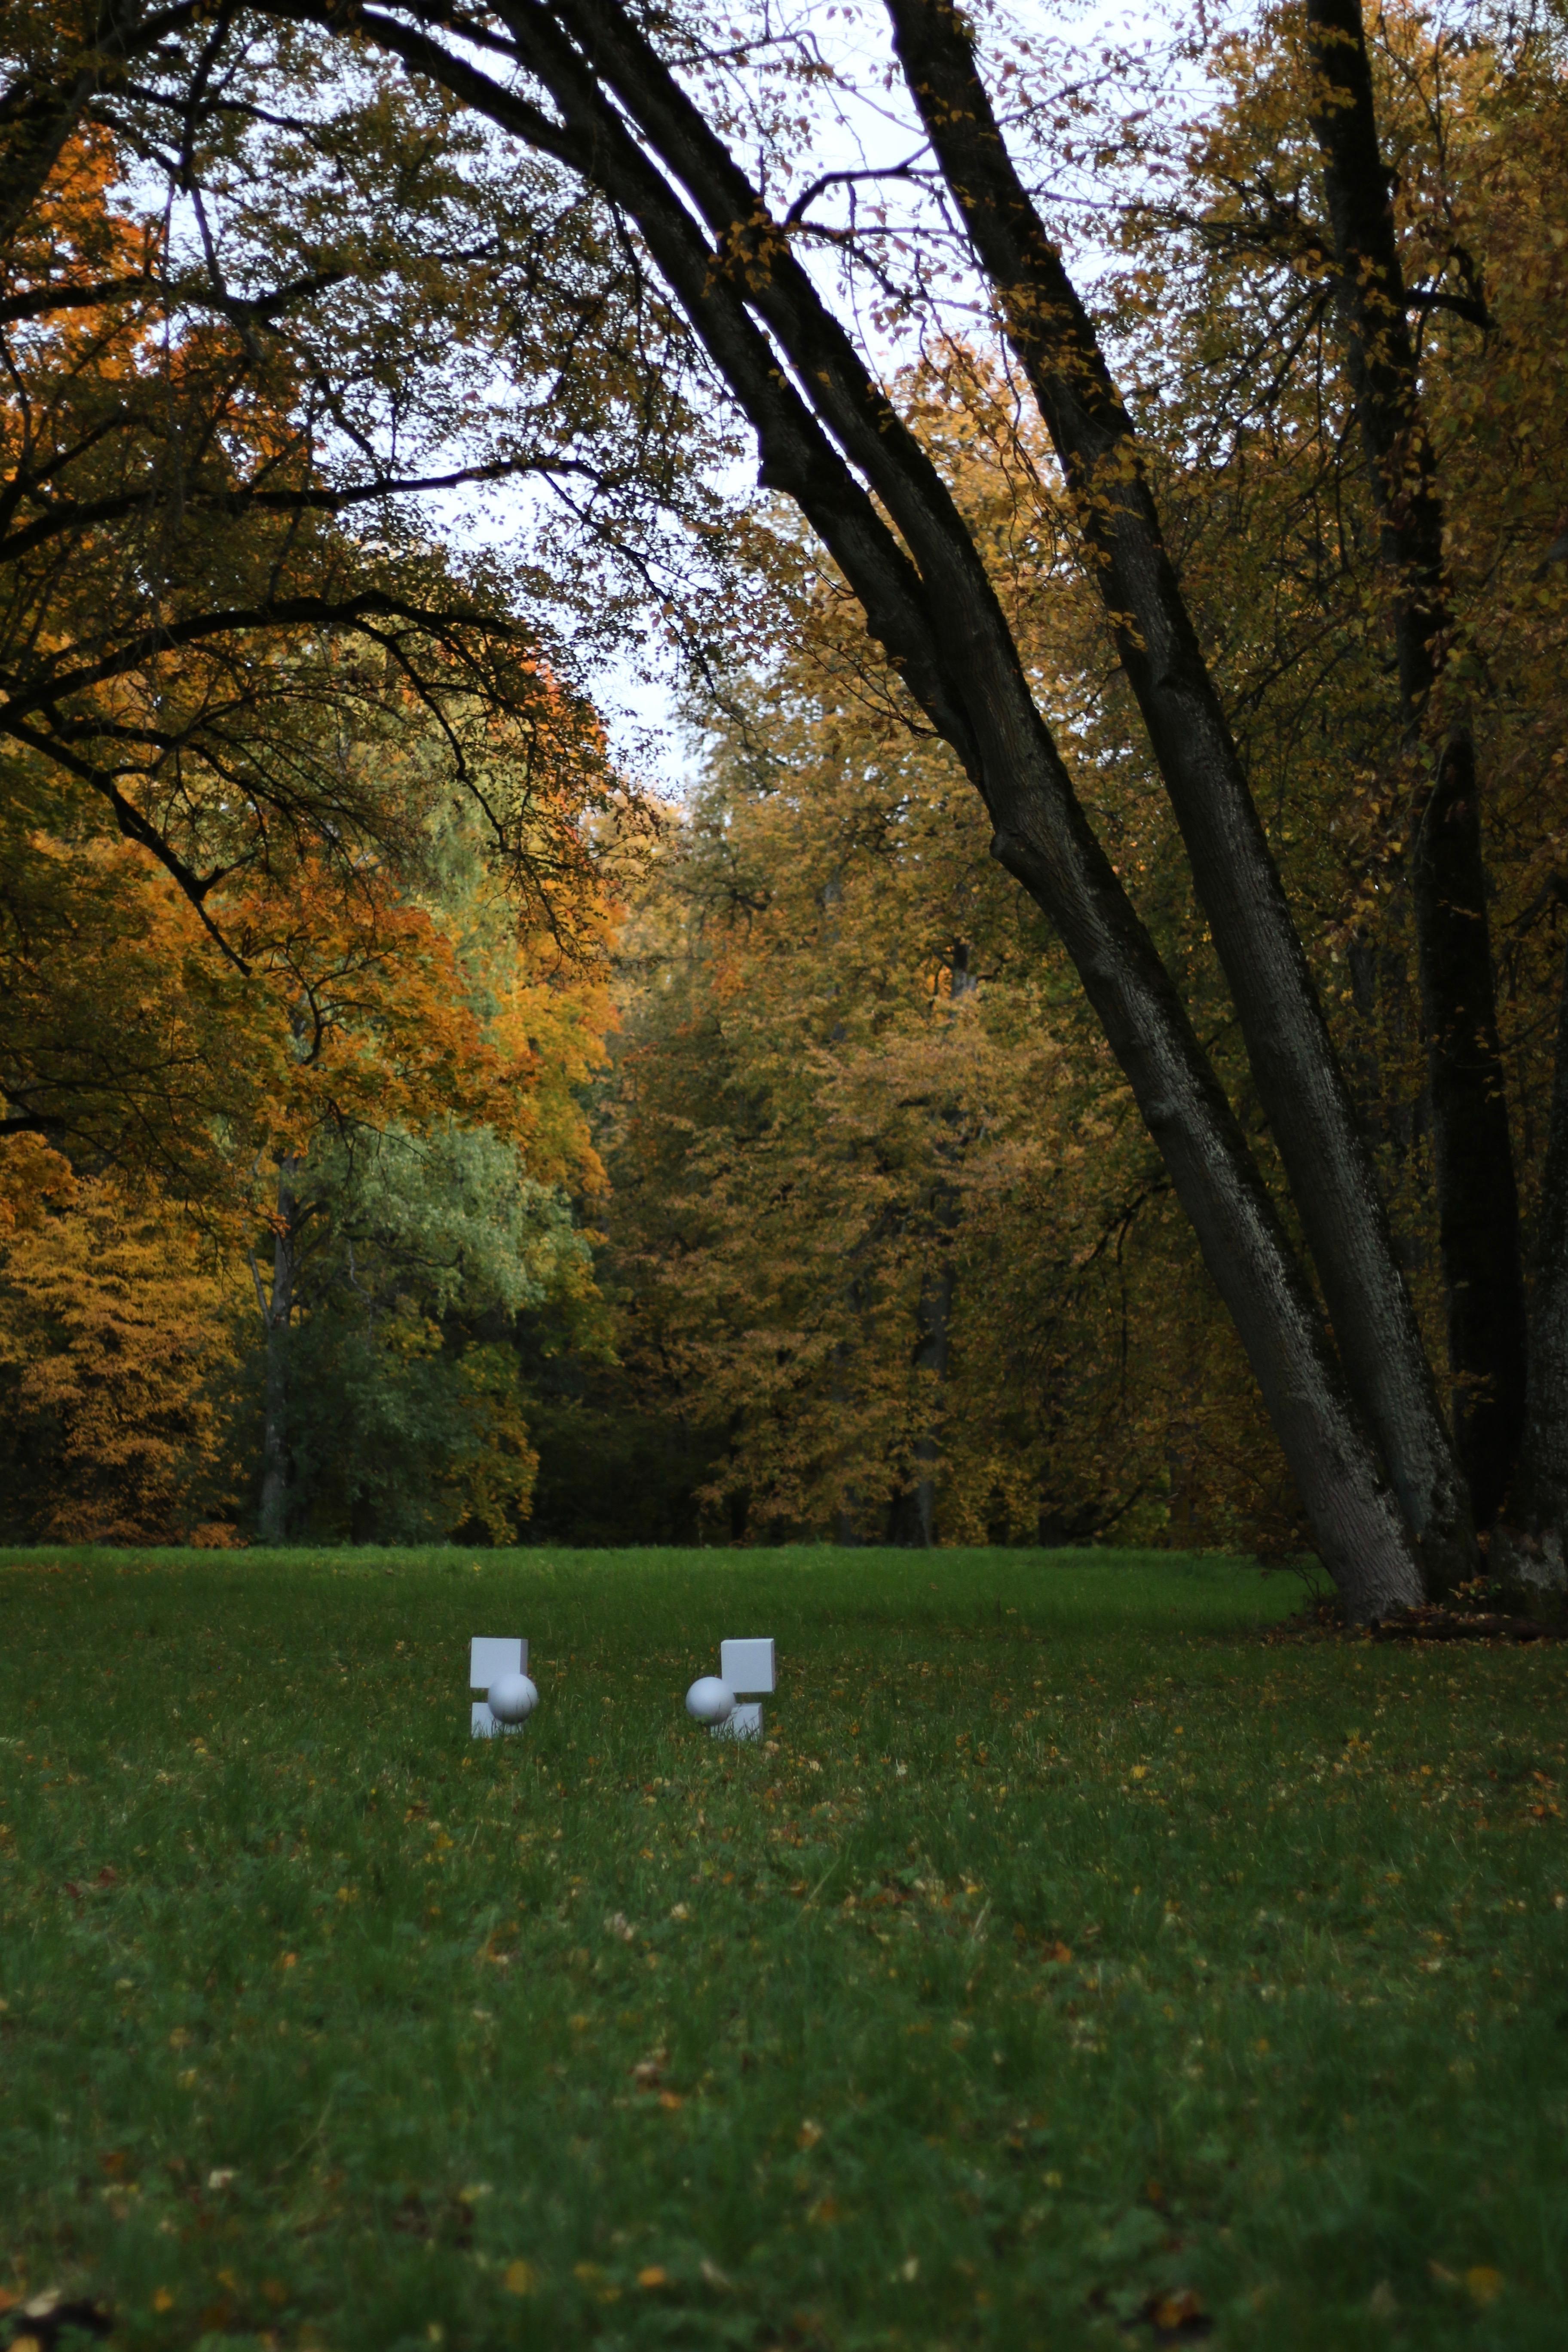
(828, 435)
(1291, 1054)
(1477, 1194)
(1349, 286)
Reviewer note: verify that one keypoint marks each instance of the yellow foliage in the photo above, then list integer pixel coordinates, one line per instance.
(113, 1333)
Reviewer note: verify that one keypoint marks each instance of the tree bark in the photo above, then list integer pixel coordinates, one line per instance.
(1477, 1208)
(1299, 1080)
(1477, 1198)
(1534, 1546)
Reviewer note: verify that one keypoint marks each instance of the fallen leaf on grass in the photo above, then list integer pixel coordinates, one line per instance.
(1178, 2315)
(654, 2275)
(519, 2278)
(1484, 2284)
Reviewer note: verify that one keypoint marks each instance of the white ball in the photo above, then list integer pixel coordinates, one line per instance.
(709, 1700)
(512, 1698)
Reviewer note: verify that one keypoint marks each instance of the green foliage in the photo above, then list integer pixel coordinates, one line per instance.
(405, 1418)
(1071, 1949)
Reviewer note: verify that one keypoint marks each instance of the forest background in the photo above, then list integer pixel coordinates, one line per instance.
(415, 1127)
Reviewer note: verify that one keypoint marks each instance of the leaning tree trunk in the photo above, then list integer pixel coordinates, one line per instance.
(932, 604)
(1478, 1201)
(1299, 1080)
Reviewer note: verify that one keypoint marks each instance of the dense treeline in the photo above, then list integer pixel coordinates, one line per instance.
(412, 1134)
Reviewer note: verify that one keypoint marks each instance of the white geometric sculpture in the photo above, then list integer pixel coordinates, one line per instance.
(497, 1665)
(710, 1700)
(725, 1702)
(512, 1699)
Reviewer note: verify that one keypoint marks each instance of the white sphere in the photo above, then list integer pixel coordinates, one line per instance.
(709, 1700)
(512, 1698)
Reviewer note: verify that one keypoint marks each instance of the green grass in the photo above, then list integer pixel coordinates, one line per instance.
(1070, 1947)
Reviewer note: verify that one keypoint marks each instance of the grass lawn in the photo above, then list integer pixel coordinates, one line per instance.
(1072, 1966)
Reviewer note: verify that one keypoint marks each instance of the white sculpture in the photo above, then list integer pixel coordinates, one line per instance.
(710, 1700)
(512, 1699)
(498, 1665)
(725, 1701)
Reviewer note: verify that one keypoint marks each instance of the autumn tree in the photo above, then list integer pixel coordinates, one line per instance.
(1368, 375)
(117, 1333)
(211, 568)
(884, 1233)
(425, 1161)
(692, 155)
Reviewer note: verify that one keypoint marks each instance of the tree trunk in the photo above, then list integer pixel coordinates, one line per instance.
(1299, 1081)
(932, 604)
(275, 1461)
(1534, 1546)
(1478, 1199)
(1477, 1208)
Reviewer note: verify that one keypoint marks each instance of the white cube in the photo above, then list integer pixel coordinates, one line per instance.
(491, 1655)
(482, 1724)
(744, 1722)
(747, 1666)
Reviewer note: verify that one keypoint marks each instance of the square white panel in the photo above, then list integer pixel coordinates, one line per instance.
(490, 1655)
(745, 1723)
(747, 1666)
